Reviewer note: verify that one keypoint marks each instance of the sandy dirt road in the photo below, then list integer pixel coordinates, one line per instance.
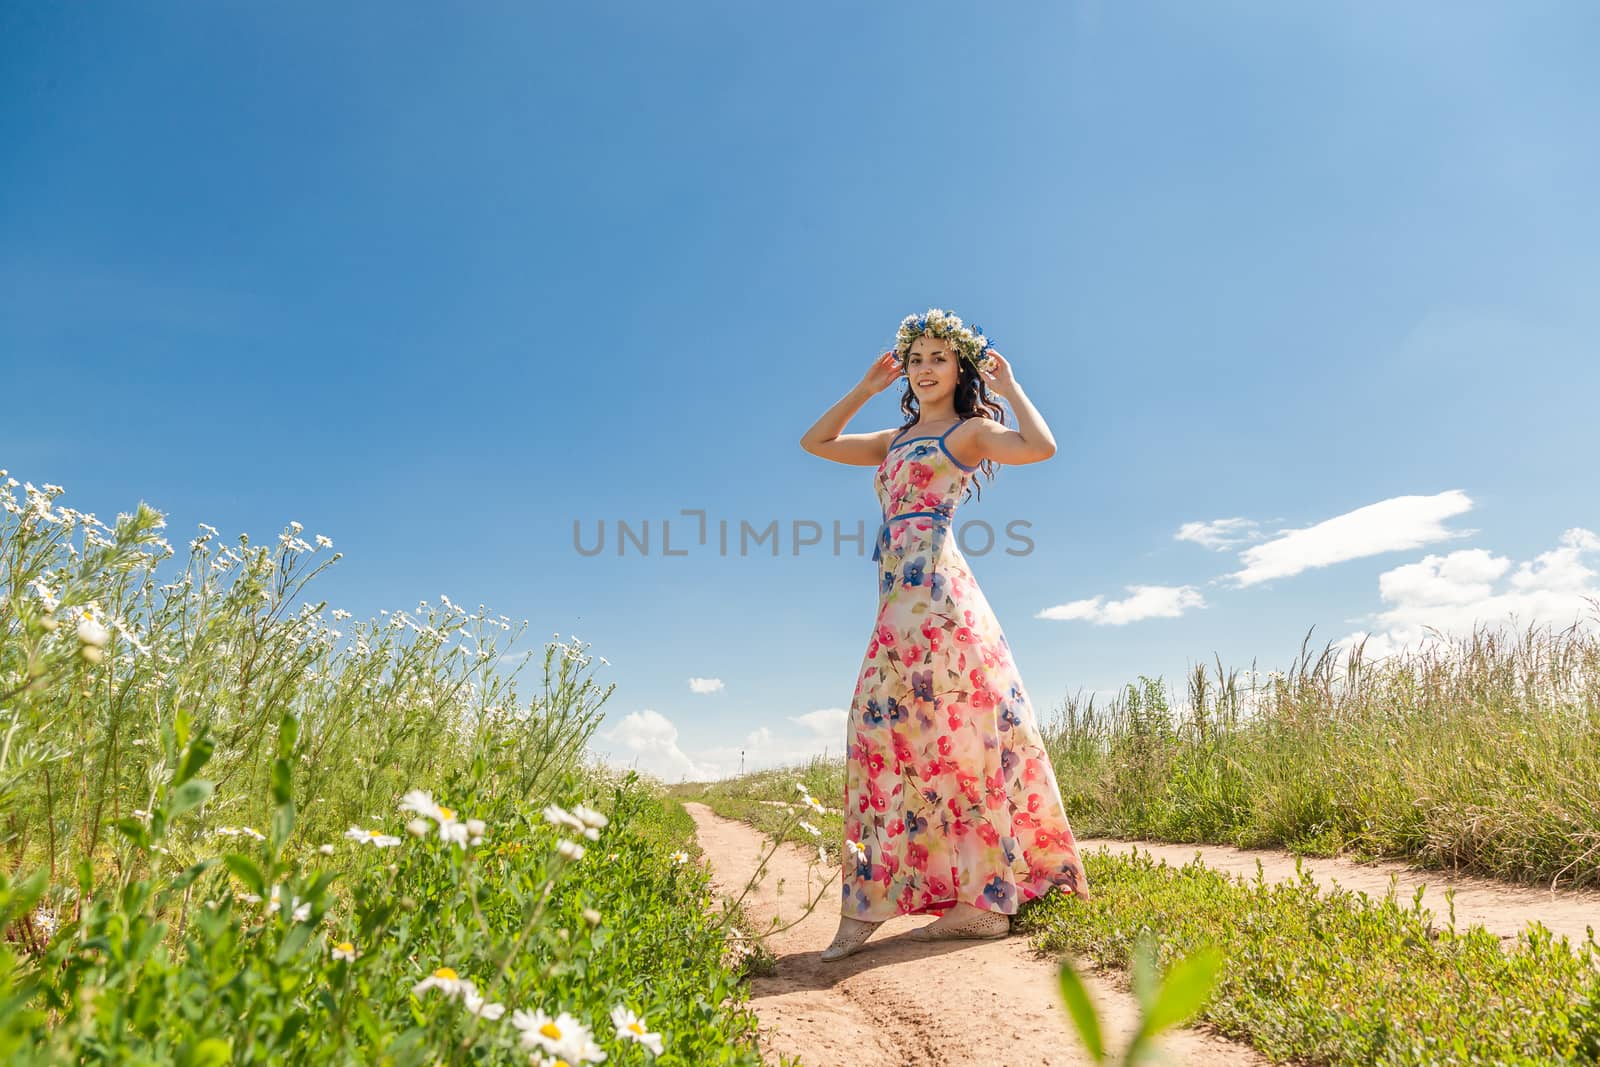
(897, 1002)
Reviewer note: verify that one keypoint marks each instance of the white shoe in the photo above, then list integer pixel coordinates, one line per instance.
(853, 933)
(982, 926)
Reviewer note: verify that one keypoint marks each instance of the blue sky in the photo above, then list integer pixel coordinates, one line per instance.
(1306, 295)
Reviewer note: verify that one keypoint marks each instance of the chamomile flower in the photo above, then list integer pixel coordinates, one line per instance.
(680, 857)
(630, 1026)
(236, 831)
(808, 828)
(561, 1036)
(559, 816)
(346, 951)
(91, 631)
(450, 828)
(446, 981)
(857, 850)
(590, 817)
(815, 805)
(376, 838)
(476, 1005)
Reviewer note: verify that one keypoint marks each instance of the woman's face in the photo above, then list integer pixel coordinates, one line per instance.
(933, 368)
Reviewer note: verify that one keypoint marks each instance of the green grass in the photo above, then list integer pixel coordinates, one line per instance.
(1481, 755)
(1328, 977)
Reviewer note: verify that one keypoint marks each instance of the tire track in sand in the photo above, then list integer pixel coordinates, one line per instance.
(898, 1002)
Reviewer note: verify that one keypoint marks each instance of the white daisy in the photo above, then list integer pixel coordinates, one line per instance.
(91, 632)
(376, 838)
(561, 817)
(476, 1005)
(590, 817)
(856, 849)
(446, 981)
(450, 828)
(561, 1036)
(629, 1025)
(680, 857)
(808, 828)
(344, 950)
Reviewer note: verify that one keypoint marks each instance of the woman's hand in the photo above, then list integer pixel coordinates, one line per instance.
(884, 372)
(999, 380)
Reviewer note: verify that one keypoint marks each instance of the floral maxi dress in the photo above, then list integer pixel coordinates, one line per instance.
(949, 792)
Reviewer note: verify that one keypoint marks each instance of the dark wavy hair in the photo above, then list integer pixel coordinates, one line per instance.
(972, 398)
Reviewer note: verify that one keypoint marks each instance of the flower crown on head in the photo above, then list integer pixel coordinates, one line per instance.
(969, 341)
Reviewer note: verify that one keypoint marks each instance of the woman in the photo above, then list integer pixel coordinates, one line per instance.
(951, 804)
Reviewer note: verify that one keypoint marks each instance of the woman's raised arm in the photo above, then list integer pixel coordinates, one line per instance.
(827, 438)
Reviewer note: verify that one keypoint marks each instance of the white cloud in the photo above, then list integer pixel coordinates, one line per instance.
(1456, 593)
(705, 685)
(824, 722)
(1218, 535)
(1391, 525)
(1144, 602)
(651, 742)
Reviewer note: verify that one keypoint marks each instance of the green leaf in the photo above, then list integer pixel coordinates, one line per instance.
(248, 873)
(194, 757)
(282, 824)
(1145, 985)
(186, 879)
(293, 941)
(1082, 1011)
(288, 730)
(282, 782)
(133, 830)
(212, 1052)
(1184, 991)
(187, 796)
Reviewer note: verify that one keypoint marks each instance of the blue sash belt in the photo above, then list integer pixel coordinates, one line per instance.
(941, 528)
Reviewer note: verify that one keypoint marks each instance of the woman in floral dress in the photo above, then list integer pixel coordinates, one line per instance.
(950, 804)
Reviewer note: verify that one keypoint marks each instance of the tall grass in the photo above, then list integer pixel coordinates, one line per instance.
(206, 783)
(381, 704)
(1480, 753)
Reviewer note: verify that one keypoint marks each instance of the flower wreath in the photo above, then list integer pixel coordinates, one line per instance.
(969, 341)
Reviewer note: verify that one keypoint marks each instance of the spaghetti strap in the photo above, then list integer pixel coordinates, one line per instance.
(953, 425)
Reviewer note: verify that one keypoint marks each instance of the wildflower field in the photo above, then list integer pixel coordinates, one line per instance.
(242, 827)
(239, 827)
